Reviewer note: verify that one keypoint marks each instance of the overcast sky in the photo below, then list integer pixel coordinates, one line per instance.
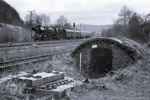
(96, 12)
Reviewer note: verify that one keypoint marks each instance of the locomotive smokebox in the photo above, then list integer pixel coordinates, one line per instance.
(98, 56)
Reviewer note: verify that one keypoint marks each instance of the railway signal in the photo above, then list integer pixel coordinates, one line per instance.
(74, 29)
(74, 25)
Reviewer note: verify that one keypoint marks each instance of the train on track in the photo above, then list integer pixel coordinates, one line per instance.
(52, 33)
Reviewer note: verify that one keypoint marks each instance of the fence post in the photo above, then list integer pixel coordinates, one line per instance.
(80, 67)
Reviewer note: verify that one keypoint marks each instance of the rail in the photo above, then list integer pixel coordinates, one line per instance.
(8, 65)
(38, 43)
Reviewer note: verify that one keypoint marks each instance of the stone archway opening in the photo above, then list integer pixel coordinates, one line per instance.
(101, 55)
(101, 61)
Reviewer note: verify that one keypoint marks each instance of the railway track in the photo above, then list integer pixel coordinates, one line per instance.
(38, 43)
(9, 65)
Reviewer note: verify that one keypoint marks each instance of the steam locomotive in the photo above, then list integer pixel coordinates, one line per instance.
(52, 33)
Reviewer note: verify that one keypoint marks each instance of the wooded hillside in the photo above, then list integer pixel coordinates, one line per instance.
(9, 15)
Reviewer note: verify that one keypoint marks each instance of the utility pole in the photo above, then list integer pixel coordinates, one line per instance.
(74, 29)
(31, 15)
(84, 32)
(80, 31)
(80, 27)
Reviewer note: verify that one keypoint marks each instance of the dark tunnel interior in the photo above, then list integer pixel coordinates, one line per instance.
(101, 61)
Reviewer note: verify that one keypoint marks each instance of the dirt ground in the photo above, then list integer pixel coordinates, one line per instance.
(131, 83)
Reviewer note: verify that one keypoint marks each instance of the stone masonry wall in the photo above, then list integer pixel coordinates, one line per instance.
(122, 56)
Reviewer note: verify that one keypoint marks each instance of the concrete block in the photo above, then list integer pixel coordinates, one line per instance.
(37, 79)
(58, 91)
(45, 92)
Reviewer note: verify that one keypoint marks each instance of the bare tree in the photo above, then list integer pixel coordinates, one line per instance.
(135, 27)
(125, 15)
(129, 24)
(28, 21)
(36, 19)
(62, 22)
(132, 25)
(146, 26)
(45, 20)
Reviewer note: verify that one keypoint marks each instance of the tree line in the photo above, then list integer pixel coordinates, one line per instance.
(9, 15)
(130, 24)
(44, 20)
